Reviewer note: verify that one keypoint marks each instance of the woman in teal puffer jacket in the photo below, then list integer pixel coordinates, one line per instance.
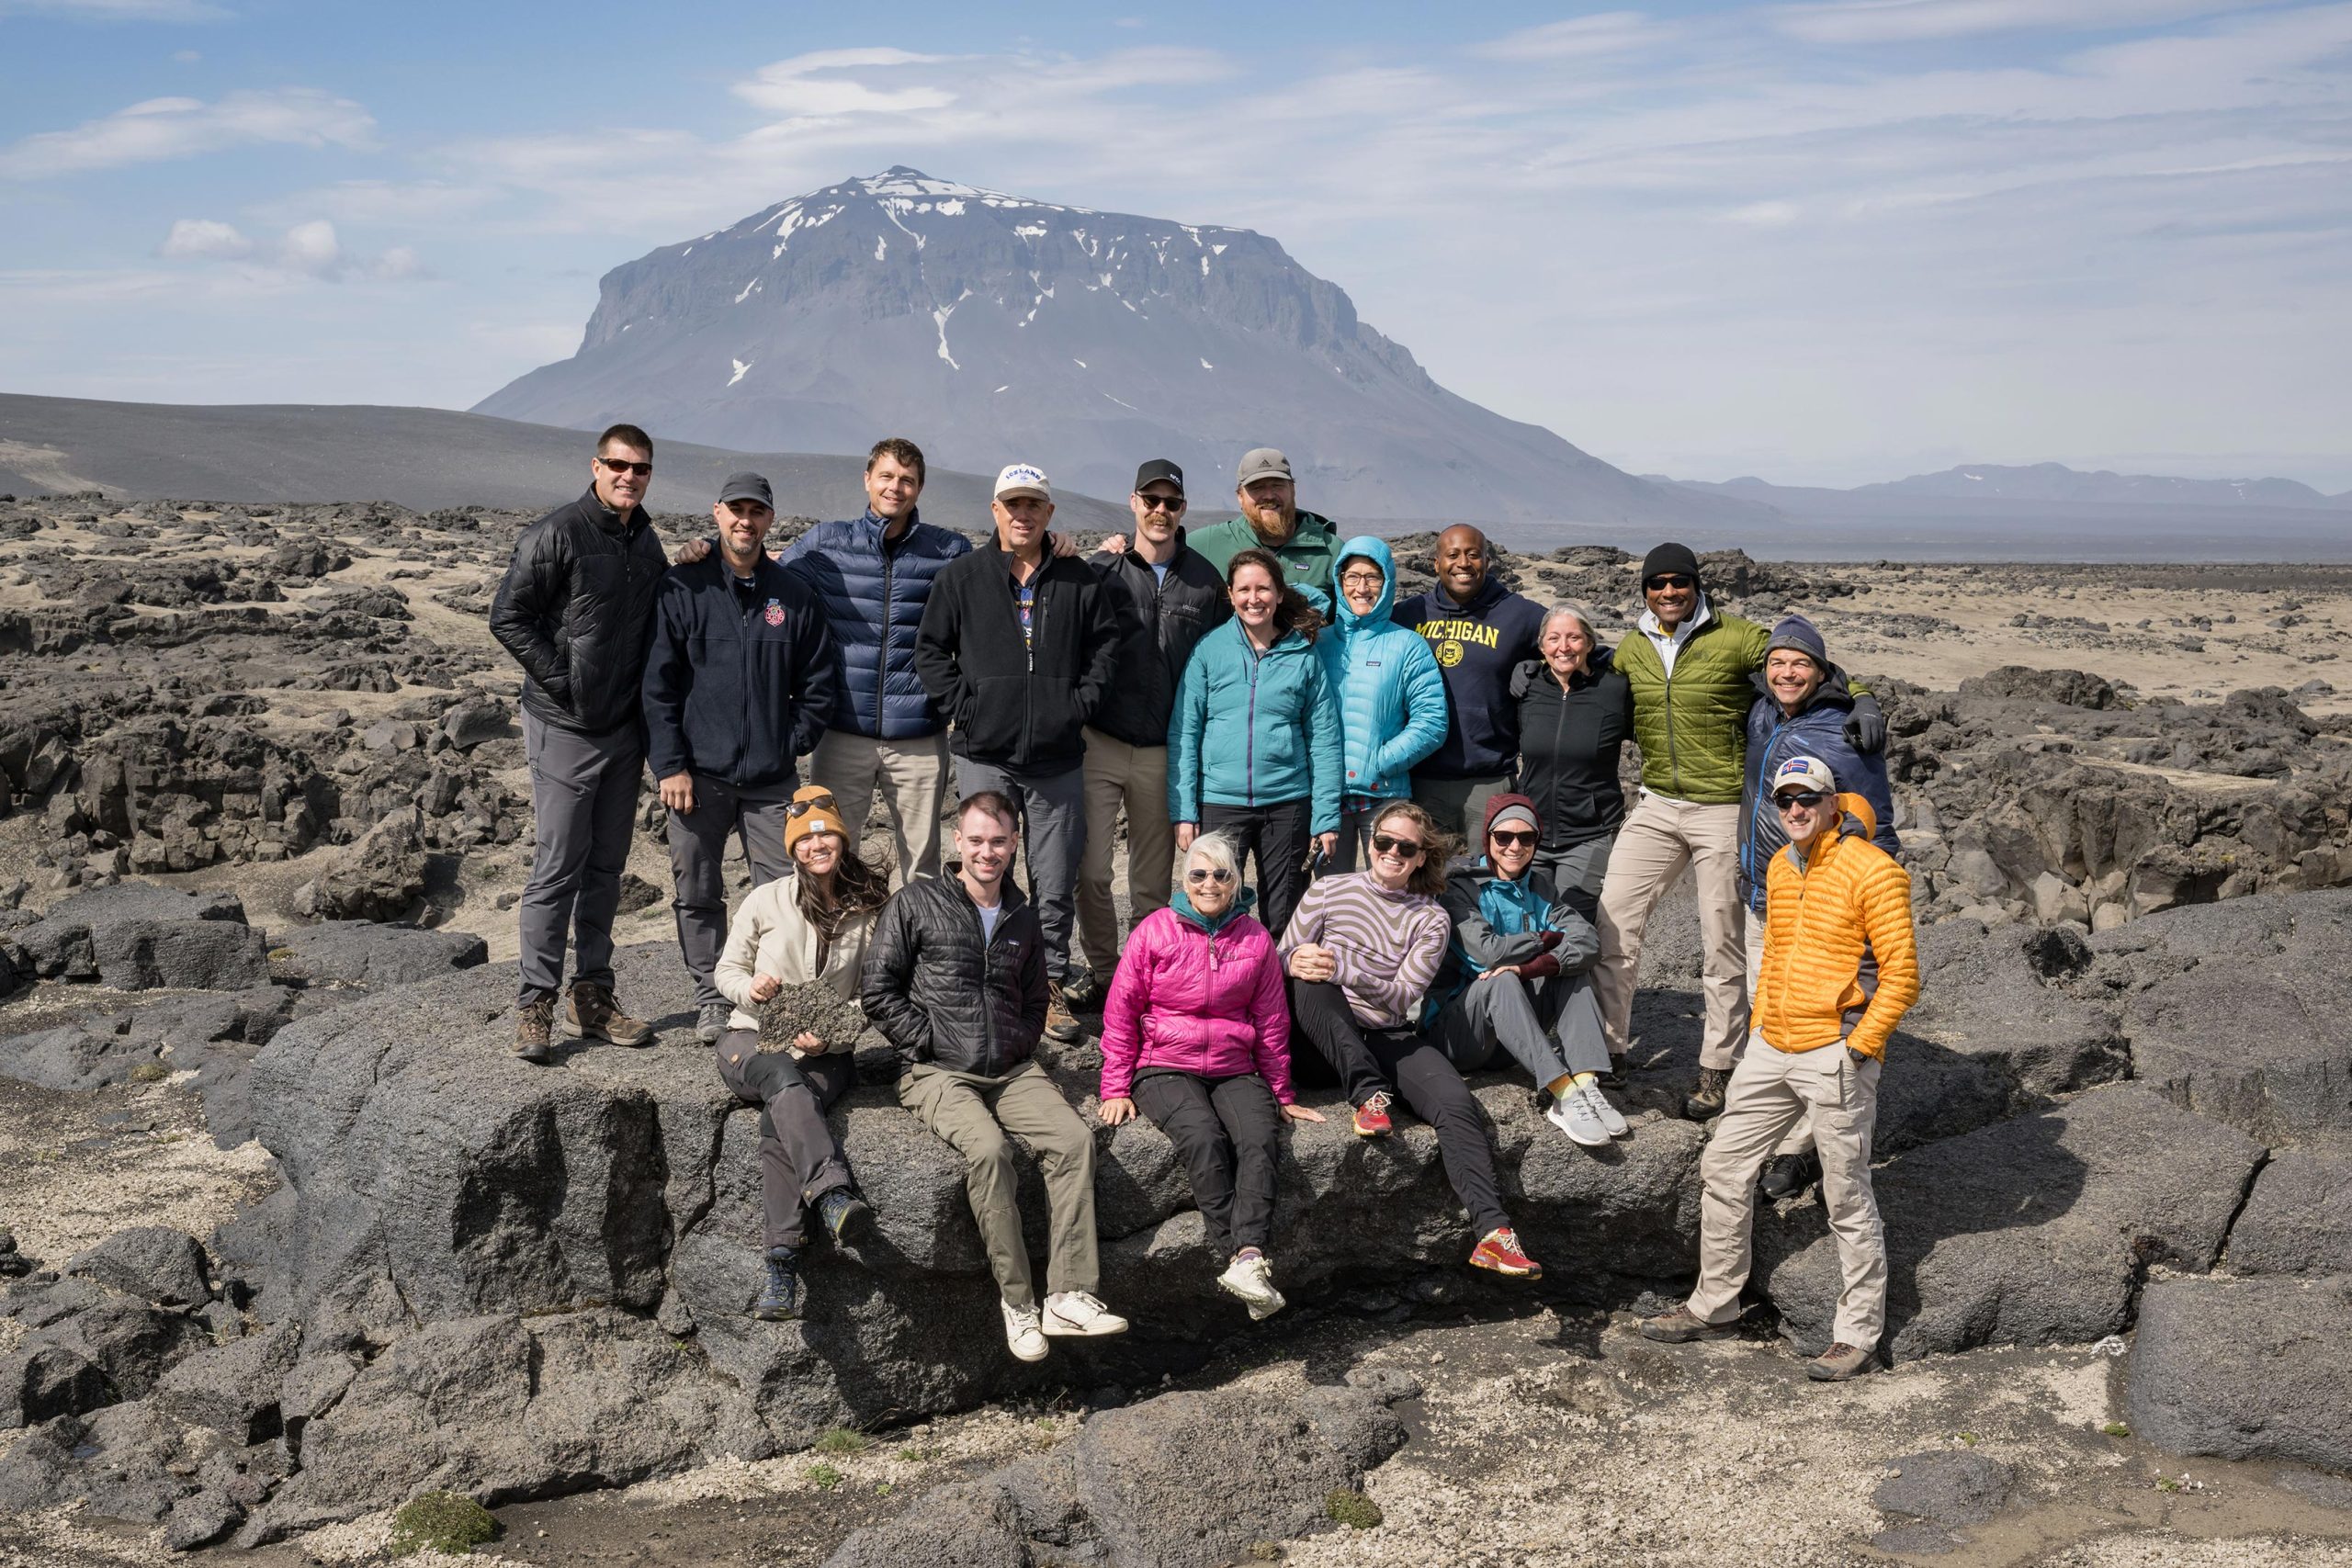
(1392, 694)
(1253, 745)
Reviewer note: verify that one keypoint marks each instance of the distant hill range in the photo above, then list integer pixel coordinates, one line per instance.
(422, 458)
(992, 328)
(2037, 485)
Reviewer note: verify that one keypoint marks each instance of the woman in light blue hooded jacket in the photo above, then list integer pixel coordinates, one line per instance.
(1392, 696)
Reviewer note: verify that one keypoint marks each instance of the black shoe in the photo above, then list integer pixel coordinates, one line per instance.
(780, 1300)
(846, 1216)
(1788, 1175)
(1613, 1080)
(1706, 1100)
(1081, 992)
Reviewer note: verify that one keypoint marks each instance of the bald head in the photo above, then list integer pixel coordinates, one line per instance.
(1461, 562)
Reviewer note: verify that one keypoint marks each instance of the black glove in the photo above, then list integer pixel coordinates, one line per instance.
(1866, 726)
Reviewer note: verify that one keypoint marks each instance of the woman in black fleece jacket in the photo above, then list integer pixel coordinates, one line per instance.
(1576, 712)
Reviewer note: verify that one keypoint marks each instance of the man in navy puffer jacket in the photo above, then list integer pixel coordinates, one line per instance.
(872, 577)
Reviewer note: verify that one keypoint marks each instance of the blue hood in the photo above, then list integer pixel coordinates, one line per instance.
(1375, 549)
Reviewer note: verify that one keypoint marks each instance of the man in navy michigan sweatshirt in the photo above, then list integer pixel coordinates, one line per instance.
(1480, 631)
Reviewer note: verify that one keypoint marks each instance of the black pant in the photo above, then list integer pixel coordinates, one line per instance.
(1278, 835)
(799, 1160)
(1225, 1131)
(1369, 1060)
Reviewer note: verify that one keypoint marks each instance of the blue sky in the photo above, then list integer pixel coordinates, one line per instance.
(1826, 241)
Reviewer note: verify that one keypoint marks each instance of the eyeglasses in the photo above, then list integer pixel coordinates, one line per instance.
(1513, 840)
(1199, 873)
(1807, 799)
(1160, 503)
(619, 466)
(1362, 579)
(1670, 580)
(1384, 844)
(814, 803)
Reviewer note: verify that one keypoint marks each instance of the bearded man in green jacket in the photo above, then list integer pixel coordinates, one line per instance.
(1692, 670)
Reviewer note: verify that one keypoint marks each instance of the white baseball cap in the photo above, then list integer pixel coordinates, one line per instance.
(1023, 479)
(1804, 772)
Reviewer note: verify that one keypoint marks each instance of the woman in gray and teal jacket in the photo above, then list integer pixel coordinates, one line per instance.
(1391, 692)
(1253, 746)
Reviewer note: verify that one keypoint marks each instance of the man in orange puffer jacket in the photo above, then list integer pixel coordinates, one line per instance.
(1819, 1039)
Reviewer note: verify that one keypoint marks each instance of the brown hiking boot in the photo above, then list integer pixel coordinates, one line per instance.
(533, 1022)
(1837, 1363)
(1060, 1022)
(1682, 1325)
(1706, 1100)
(592, 1016)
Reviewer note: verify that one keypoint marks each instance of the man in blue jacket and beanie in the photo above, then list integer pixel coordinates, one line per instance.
(1481, 632)
(872, 576)
(737, 685)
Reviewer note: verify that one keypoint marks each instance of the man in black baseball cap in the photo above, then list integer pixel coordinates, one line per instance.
(1166, 596)
(738, 687)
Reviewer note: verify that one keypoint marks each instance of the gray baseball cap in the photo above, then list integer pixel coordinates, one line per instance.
(747, 486)
(1262, 463)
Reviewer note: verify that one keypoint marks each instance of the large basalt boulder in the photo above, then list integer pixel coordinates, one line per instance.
(154, 1263)
(135, 936)
(2246, 1368)
(2246, 1015)
(2299, 1219)
(380, 877)
(364, 953)
(2031, 1232)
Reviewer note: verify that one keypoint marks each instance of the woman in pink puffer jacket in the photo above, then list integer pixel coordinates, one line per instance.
(1196, 1032)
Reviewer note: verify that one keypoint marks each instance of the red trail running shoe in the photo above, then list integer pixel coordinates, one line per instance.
(1500, 1252)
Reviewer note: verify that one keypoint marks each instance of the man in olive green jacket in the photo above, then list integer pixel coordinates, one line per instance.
(1691, 668)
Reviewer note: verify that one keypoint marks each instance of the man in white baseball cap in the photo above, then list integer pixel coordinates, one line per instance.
(1016, 648)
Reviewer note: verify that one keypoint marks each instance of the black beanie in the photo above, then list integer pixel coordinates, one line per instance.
(1670, 557)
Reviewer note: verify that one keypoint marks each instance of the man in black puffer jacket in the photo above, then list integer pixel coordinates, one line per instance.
(576, 611)
(955, 977)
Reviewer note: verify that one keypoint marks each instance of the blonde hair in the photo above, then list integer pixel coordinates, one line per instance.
(1438, 847)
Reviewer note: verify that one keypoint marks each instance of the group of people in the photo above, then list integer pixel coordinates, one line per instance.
(1249, 695)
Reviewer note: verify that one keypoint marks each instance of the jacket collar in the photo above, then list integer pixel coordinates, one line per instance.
(1858, 819)
(1491, 593)
(881, 524)
(1182, 550)
(610, 521)
(1009, 896)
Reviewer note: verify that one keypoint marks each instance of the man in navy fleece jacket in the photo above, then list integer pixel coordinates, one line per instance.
(1480, 631)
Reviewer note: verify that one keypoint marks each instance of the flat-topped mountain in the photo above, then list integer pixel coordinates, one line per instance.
(992, 328)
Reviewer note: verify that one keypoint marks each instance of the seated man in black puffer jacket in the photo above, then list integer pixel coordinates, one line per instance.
(956, 979)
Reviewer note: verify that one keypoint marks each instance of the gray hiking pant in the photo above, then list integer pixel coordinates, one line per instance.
(583, 802)
(1551, 1027)
(698, 858)
(1053, 841)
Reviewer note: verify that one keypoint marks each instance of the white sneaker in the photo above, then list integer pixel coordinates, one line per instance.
(1253, 1280)
(1599, 1104)
(1571, 1114)
(1022, 1333)
(1075, 1314)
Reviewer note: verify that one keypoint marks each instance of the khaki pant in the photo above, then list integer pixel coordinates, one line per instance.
(1659, 839)
(1132, 778)
(912, 776)
(1771, 1093)
(973, 1114)
(1799, 1137)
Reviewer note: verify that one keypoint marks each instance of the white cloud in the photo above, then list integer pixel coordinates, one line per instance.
(1903, 21)
(310, 250)
(1605, 32)
(806, 85)
(1764, 214)
(162, 128)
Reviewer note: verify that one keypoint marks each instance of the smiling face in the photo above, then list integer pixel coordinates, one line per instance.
(891, 488)
(1510, 850)
(1360, 584)
(1158, 507)
(1021, 522)
(1209, 886)
(742, 529)
(1254, 596)
(985, 842)
(819, 853)
(1793, 677)
(1461, 561)
(1805, 820)
(1272, 506)
(1396, 850)
(621, 489)
(1672, 597)
(1566, 645)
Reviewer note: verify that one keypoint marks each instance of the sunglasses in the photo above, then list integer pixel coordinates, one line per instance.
(1513, 840)
(1199, 873)
(1384, 844)
(1160, 503)
(815, 803)
(618, 466)
(1806, 799)
(1670, 579)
